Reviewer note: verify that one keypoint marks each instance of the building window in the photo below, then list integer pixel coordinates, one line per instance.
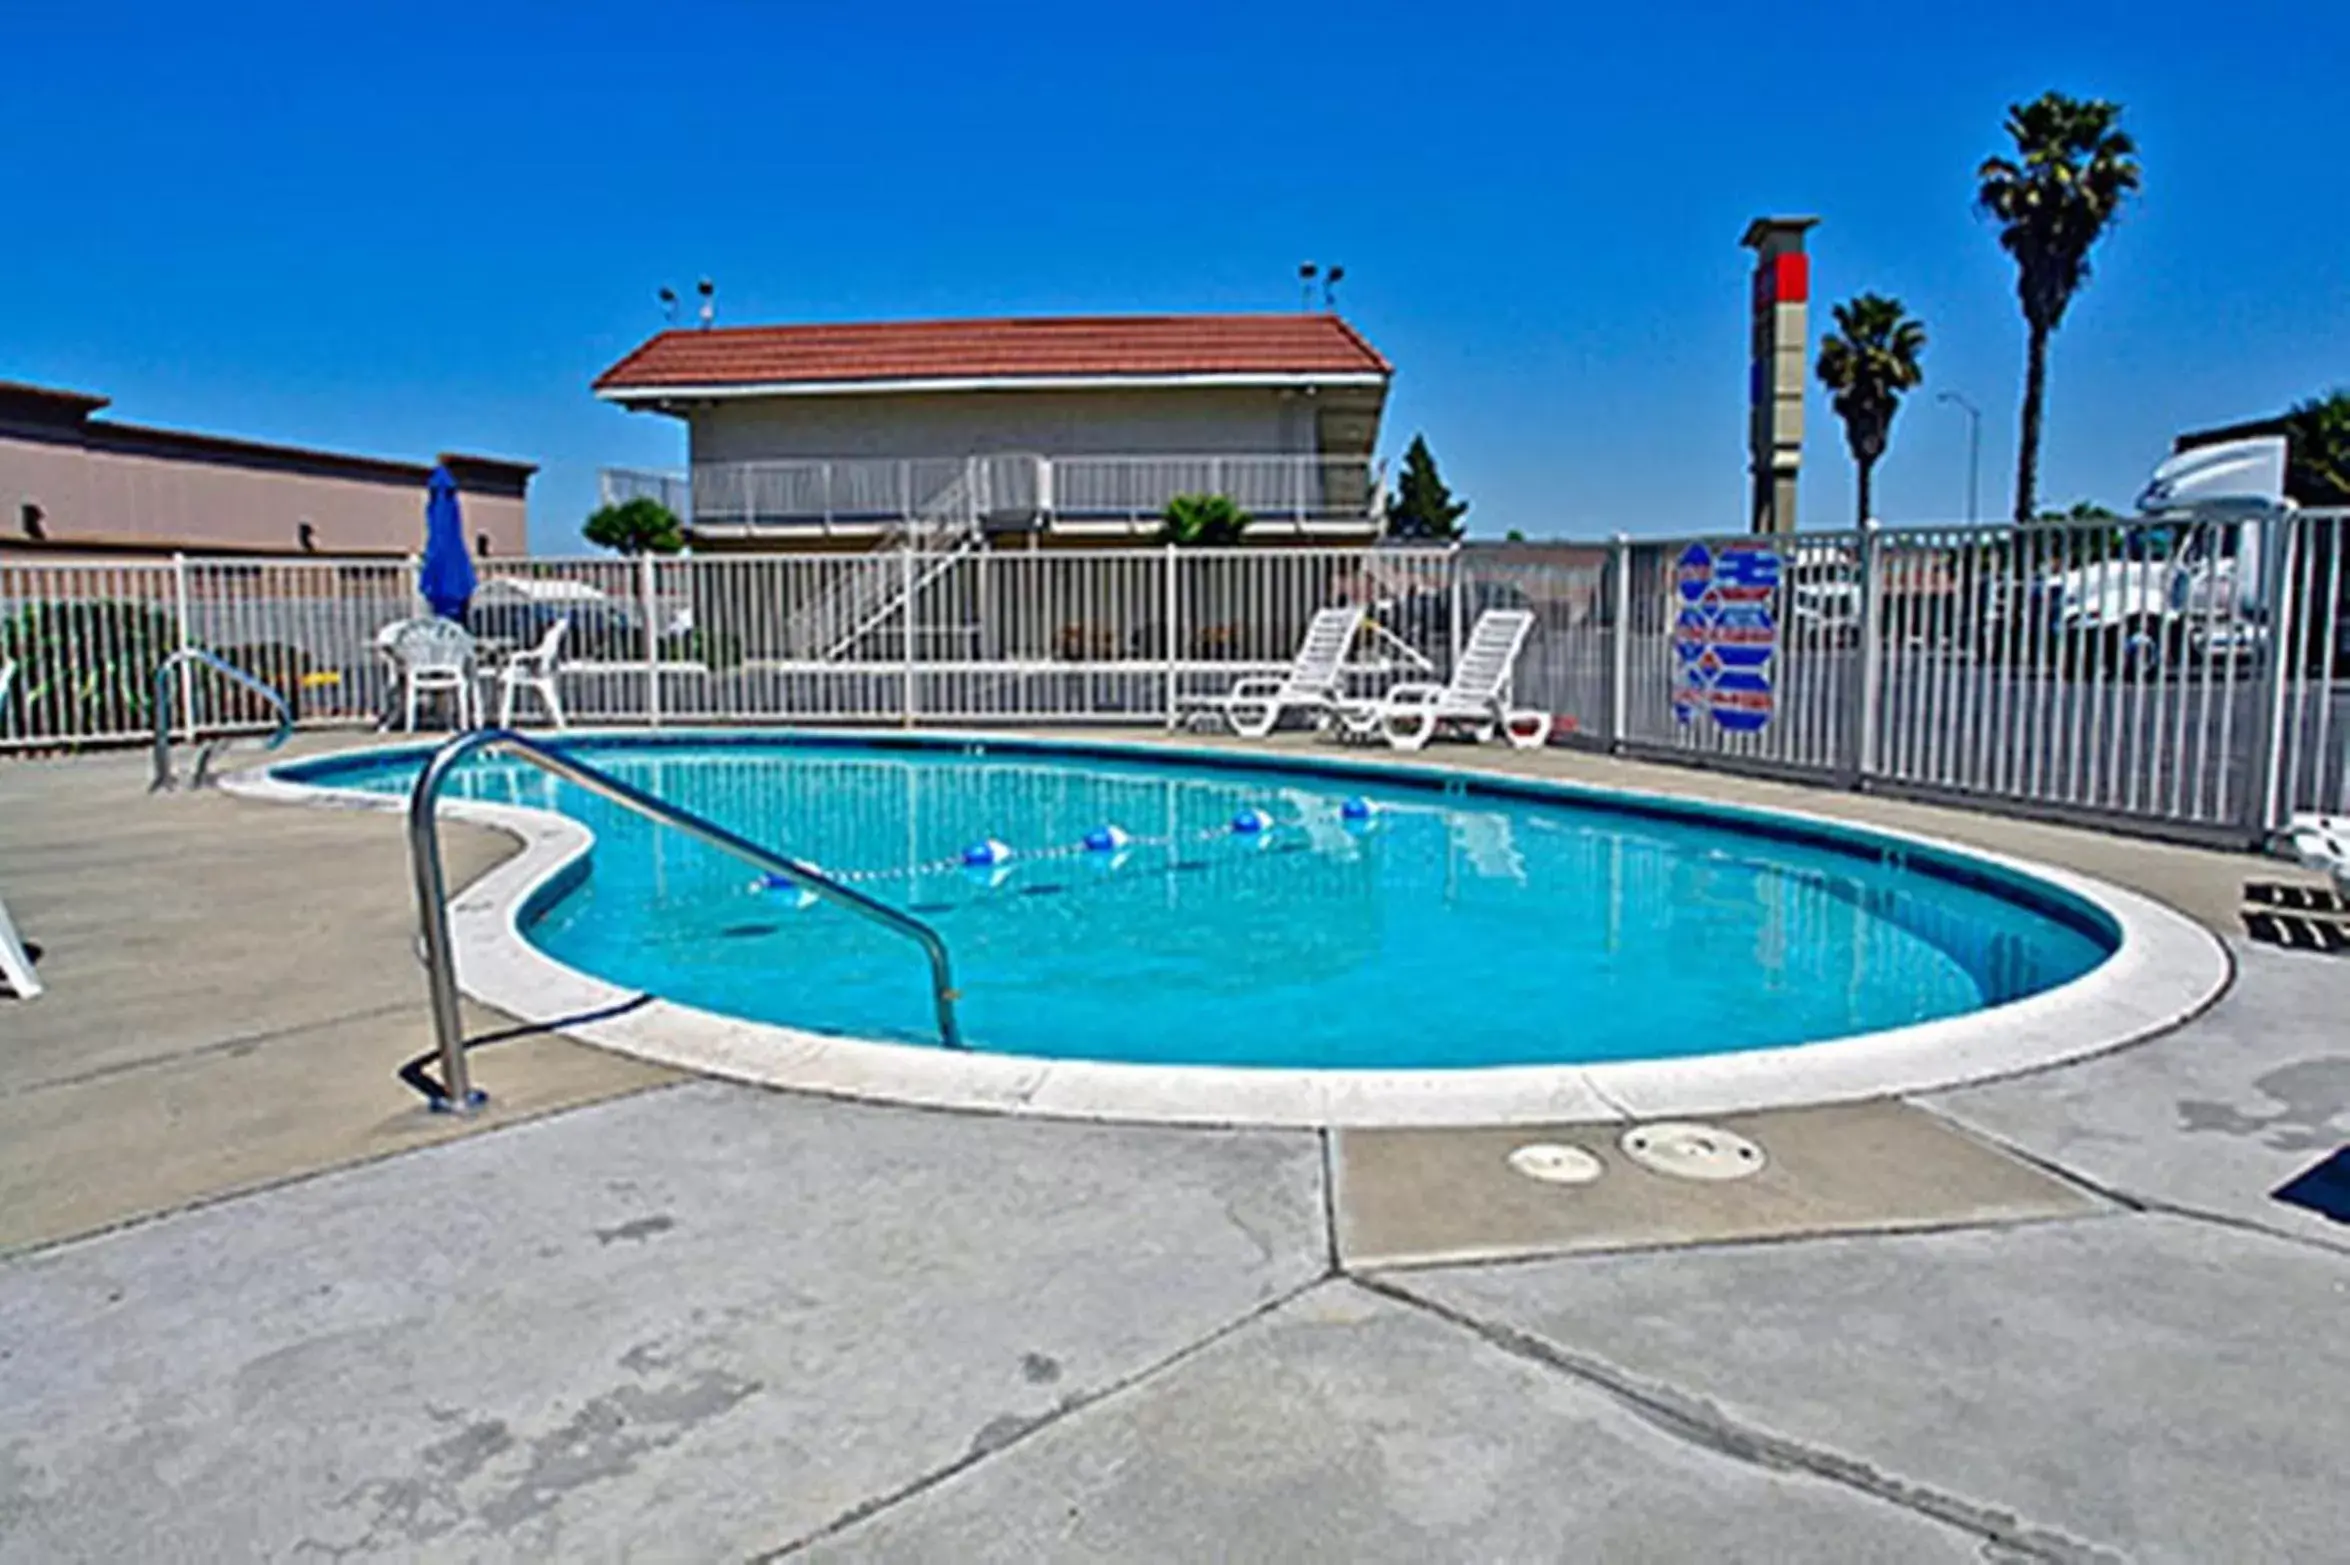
(29, 517)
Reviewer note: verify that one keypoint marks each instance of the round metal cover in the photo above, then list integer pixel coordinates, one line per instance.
(1690, 1151)
(1556, 1164)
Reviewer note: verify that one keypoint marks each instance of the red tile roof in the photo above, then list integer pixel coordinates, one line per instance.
(1115, 345)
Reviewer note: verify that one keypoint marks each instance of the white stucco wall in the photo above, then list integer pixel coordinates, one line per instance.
(1203, 420)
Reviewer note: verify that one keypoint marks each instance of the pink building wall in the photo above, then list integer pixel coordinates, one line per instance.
(87, 484)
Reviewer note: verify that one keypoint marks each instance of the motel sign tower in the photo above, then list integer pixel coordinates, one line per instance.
(1774, 377)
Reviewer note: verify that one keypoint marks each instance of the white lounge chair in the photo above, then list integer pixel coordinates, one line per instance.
(1254, 705)
(2322, 843)
(1476, 698)
(16, 968)
(534, 671)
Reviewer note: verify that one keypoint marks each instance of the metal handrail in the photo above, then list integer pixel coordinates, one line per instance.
(163, 705)
(432, 899)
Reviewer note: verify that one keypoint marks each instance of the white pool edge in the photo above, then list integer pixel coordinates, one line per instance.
(2167, 969)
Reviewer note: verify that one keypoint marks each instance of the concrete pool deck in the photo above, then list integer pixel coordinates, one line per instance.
(636, 1316)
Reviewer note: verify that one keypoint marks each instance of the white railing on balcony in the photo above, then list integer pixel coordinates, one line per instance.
(936, 499)
(1296, 490)
(619, 485)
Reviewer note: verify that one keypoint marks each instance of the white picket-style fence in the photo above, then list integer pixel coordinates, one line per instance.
(2149, 680)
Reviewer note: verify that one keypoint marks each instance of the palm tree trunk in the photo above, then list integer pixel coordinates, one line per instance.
(2027, 456)
(1865, 467)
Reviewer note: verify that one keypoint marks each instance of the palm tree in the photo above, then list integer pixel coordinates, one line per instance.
(2053, 201)
(1870, 360)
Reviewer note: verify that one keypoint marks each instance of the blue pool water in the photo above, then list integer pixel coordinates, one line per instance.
(1463, 924)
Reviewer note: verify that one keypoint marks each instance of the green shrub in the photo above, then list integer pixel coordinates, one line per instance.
(83, 667)
(1204, 521)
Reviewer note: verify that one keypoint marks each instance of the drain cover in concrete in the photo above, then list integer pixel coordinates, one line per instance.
(1684, 1151)
(1555, 1163)
(1425, 1197)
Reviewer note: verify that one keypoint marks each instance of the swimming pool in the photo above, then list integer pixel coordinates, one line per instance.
(1382, 919)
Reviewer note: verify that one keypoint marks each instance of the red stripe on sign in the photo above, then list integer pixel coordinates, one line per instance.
(1794, 279)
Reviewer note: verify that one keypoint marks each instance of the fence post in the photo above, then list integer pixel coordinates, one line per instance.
(1167, 596)
(1865, 694)
(1619, 688)
(649, 597)
(2266, 805)
(184, 618)
(906, 616)
(1459, 584)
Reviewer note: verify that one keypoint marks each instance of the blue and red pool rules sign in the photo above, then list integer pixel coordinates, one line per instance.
(1724, 634)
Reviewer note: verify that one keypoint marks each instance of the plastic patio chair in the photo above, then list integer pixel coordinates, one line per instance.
(1254, 705)
(534, 670)
(1475, 698)
(435, 657)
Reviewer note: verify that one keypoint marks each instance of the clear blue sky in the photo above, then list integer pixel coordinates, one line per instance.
(398, 229)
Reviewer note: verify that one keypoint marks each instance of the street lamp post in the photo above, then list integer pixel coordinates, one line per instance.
(1974, 451)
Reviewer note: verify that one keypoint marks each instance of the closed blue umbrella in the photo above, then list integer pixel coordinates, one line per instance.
(445, 580)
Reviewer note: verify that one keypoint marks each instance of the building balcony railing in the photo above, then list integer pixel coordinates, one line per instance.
(931, 497)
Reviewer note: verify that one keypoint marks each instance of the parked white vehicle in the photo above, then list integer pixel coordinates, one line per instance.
(1823, 592)
(2184, 582)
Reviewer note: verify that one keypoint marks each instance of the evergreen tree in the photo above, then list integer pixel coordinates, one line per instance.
(1423, 509)
(2317, 463)
(639, 526)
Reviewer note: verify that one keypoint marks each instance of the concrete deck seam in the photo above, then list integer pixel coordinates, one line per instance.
(2130, 1201)
(1333, 1264)
(1623, 1111)
(1068, 1407)
(1757, 1241)
(2025, 1155)
(41, 1247)
(1698, 1422)
(206, 1050)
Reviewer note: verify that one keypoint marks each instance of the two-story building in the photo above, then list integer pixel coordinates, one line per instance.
(1047, 431)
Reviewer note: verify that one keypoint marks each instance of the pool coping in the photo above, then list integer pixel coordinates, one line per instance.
(2166, 970)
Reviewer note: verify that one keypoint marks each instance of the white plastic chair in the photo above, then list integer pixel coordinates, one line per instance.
(533, 670)
(1475, 698)
(1254, 705)
(435, 657)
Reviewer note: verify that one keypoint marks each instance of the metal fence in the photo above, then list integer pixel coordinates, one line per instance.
(2191, 680)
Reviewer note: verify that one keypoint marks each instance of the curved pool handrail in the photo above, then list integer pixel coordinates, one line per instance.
(432, 900)
(163, 705)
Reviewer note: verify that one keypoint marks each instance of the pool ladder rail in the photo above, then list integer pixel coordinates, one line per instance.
(432, 899)
(163, 780)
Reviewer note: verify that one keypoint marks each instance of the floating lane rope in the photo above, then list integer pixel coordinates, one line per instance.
(990, 862)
